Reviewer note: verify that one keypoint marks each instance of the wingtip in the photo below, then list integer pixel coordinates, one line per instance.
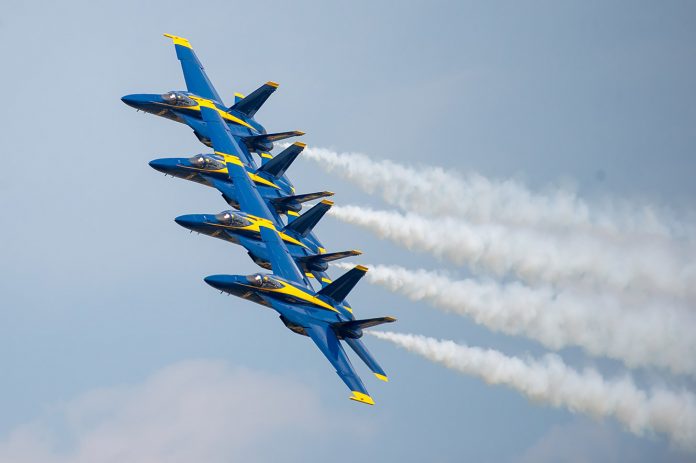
(299, 133)
(362, 268)
(362, 398)
(382, 377)
(272, 84)
(299, 144)
(328, 202)
(357, 252)
(179, 40)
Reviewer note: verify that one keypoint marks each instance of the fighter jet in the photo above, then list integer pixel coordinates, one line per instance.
(185, 106)
(210, 170)
(244, 229)
(325, 316)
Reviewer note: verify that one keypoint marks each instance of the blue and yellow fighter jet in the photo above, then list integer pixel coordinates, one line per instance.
(185, 107)
(210, 170)
(324, 316)
(244, 229)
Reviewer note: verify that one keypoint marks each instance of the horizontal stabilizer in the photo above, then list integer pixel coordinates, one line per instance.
(339, 289)
(356, 325)
(360, 349)
(261, 143)
(306, 222)
(251, 103)
(279, 164)
(319, 262)
(294, 203)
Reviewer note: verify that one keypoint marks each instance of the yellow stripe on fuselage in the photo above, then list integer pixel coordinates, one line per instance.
(255, 178)
(255, 227)
(235, 160)
(296, 293)
(206, 103)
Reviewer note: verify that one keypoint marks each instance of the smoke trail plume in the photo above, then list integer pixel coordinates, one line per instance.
(643, 336)
(550, 381)
(437, 192)
(529, 255)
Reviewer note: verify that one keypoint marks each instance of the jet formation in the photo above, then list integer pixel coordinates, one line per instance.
(266, 216)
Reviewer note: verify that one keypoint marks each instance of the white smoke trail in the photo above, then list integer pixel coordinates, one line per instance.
(550, 381)
(530, 256)
(644, 336)
(438, 192)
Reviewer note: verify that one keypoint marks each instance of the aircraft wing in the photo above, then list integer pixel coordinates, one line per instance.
(326, 340)
(224, 144)
(197, 81)
(282, 263)
(221, 137)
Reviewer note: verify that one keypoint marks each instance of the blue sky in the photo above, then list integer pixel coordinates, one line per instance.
(111, 345)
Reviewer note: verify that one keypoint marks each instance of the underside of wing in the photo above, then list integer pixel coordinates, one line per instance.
(325, 338)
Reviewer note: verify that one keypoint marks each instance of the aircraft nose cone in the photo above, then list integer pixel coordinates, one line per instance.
(141, 100)
(189, 221)
(218, 281)
(134, 101)
(162, 165)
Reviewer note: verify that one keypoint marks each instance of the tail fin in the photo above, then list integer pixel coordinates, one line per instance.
(353, 329)
(304, 223)
(261, 143)
(279, 164)
(339, 289)
(360, 349)
(294, 203)
(250, 104)
(319, 262)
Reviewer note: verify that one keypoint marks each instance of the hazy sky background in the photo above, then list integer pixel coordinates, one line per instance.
(112, 348)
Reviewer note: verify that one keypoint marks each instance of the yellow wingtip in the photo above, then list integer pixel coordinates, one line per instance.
(330, 193)
(239, 95)
(272, 84)
(357, 252)
(363, 398)
(300, 144)
(328, 202)
(299, 133)
(362, 268)
(293, 213)
(382, 377)
(179, 40)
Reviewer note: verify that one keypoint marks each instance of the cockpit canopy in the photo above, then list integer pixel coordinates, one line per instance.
(178, 99)
(232, 219)
(263, 281)
(206, 162)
